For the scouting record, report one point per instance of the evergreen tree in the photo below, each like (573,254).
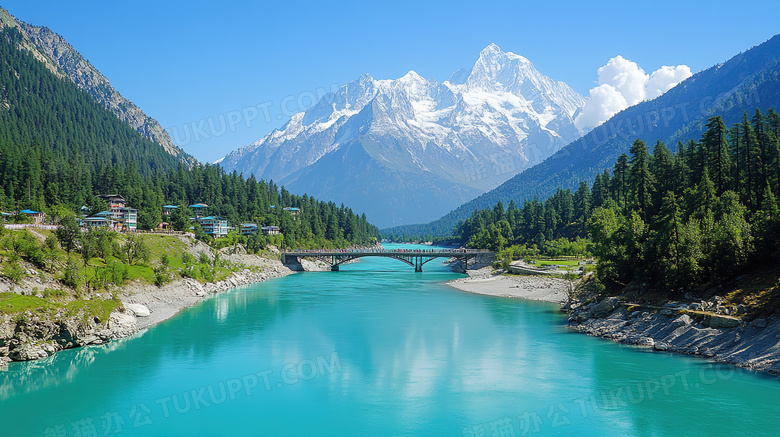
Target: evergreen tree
(642,181)
(716,143)
(582,205)
(620,179)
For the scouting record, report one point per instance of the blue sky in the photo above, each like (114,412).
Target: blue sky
(252,64)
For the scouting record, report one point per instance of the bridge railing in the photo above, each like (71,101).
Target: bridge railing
(381,251)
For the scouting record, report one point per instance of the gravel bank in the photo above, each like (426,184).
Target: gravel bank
(538,288)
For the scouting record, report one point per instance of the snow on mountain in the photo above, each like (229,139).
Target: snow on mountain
(456,139)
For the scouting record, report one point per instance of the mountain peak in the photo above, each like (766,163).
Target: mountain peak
(494,53)
(491,50)
(507,71)
(389,135)
(411,75)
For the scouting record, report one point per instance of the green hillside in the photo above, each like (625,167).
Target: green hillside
(59,147)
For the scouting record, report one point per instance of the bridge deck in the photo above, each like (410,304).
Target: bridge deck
(413,257)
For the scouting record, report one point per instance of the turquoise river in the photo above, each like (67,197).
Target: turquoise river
(377,350)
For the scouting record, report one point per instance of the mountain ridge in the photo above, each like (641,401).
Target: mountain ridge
(64,60)
(464,138)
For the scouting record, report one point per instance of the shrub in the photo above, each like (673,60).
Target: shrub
(506,262)
(54,293)
(161,276)
(14,271)
(206,273)
(119,273)
(187,258)
(50,242)
(71,276)
(191,272)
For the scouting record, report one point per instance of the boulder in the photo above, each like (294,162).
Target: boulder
(605,307)
(49,348)
(759,323)
(660,346)
(138,309)
(717,321)
(27,352)
(120,325)
(90,339)
(646,341)
(458,266)
(683,320)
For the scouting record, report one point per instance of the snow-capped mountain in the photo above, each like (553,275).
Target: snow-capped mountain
(409,149)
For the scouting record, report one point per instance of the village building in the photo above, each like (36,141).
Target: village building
(199,209)
(167,210)
(215,226)
(120,211)
(248,228)
(38,217)
(271,230)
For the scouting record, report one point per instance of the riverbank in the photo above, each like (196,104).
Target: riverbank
(488,282)
(49,325)
(151,305)
(695,329)
(701,328)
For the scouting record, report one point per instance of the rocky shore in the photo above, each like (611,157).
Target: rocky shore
(702,328)
(695,328)
(32,336)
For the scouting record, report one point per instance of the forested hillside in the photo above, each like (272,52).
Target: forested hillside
(747,80)
(59,147)
(673,221)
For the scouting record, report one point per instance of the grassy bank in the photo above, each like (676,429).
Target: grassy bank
(39,275)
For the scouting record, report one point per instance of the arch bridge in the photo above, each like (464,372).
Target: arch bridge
(413,257)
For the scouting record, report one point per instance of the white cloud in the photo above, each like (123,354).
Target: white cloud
(603,102)
(626,77)
(664,79)
(622,83)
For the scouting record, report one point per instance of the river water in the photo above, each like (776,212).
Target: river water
(377,349)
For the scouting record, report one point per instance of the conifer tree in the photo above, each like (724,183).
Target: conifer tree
(716,143)
(642,180)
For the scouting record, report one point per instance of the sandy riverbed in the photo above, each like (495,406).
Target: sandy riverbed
(538,288)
